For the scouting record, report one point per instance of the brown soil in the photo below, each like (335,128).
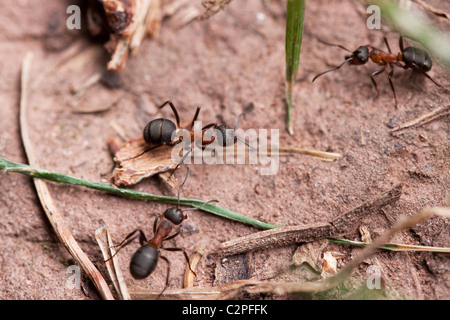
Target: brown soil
(223,65)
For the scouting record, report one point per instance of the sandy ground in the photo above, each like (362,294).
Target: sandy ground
(223,64)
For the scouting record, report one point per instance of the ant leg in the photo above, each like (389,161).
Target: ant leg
(400,43)
(172,236)
(128,239)
(373,79)
(155,224)
(167,277)
(195,118)
(391,73)
(387,44)
(416,68)
(145,151)
(211,125)
(177,117)
(208,126)
(185,256)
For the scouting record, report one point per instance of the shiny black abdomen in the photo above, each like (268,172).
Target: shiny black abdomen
(418,57)
(143,262)
(159,131)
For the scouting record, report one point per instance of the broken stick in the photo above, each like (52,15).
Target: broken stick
(339,226)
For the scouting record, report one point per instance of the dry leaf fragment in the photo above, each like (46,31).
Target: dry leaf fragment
(310,253)
(329,265)
(134,163)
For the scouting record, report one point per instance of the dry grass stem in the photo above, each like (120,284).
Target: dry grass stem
(194,260)
(433,10)
(52,212)
(112,265)
(426,118)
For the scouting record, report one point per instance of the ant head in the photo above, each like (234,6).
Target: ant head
(174,215)
(228,136)
(359,56)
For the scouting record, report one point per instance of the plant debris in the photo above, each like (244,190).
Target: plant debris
(343,224)
(134,163)
(126,22)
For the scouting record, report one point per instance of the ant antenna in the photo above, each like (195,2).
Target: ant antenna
(238,120)
(181,187)
(179,164)
(237,124)
(333,45)
(174,110)
(346,60)
(198,208)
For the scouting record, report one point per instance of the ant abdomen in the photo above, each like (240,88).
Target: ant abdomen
(159,131)
(416,56)
(143,262)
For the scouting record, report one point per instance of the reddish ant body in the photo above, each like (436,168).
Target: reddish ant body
(410,57)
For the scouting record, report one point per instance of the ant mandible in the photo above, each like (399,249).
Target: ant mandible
(410,57)
(145,259)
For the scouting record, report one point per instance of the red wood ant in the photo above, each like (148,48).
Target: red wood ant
(162,131)
(145,259)
(410,57)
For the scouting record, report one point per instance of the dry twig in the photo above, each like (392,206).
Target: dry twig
(339,226)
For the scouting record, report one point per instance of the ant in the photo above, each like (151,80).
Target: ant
(410,57)
(161,131)
(145,259)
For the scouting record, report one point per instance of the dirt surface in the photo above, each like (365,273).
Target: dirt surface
(222,64)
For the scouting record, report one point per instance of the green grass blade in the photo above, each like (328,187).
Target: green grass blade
(392,246)
(9,166)
(294,34)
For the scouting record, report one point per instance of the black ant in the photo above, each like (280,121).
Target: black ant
(162,131)
(410,57)
(145,259)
